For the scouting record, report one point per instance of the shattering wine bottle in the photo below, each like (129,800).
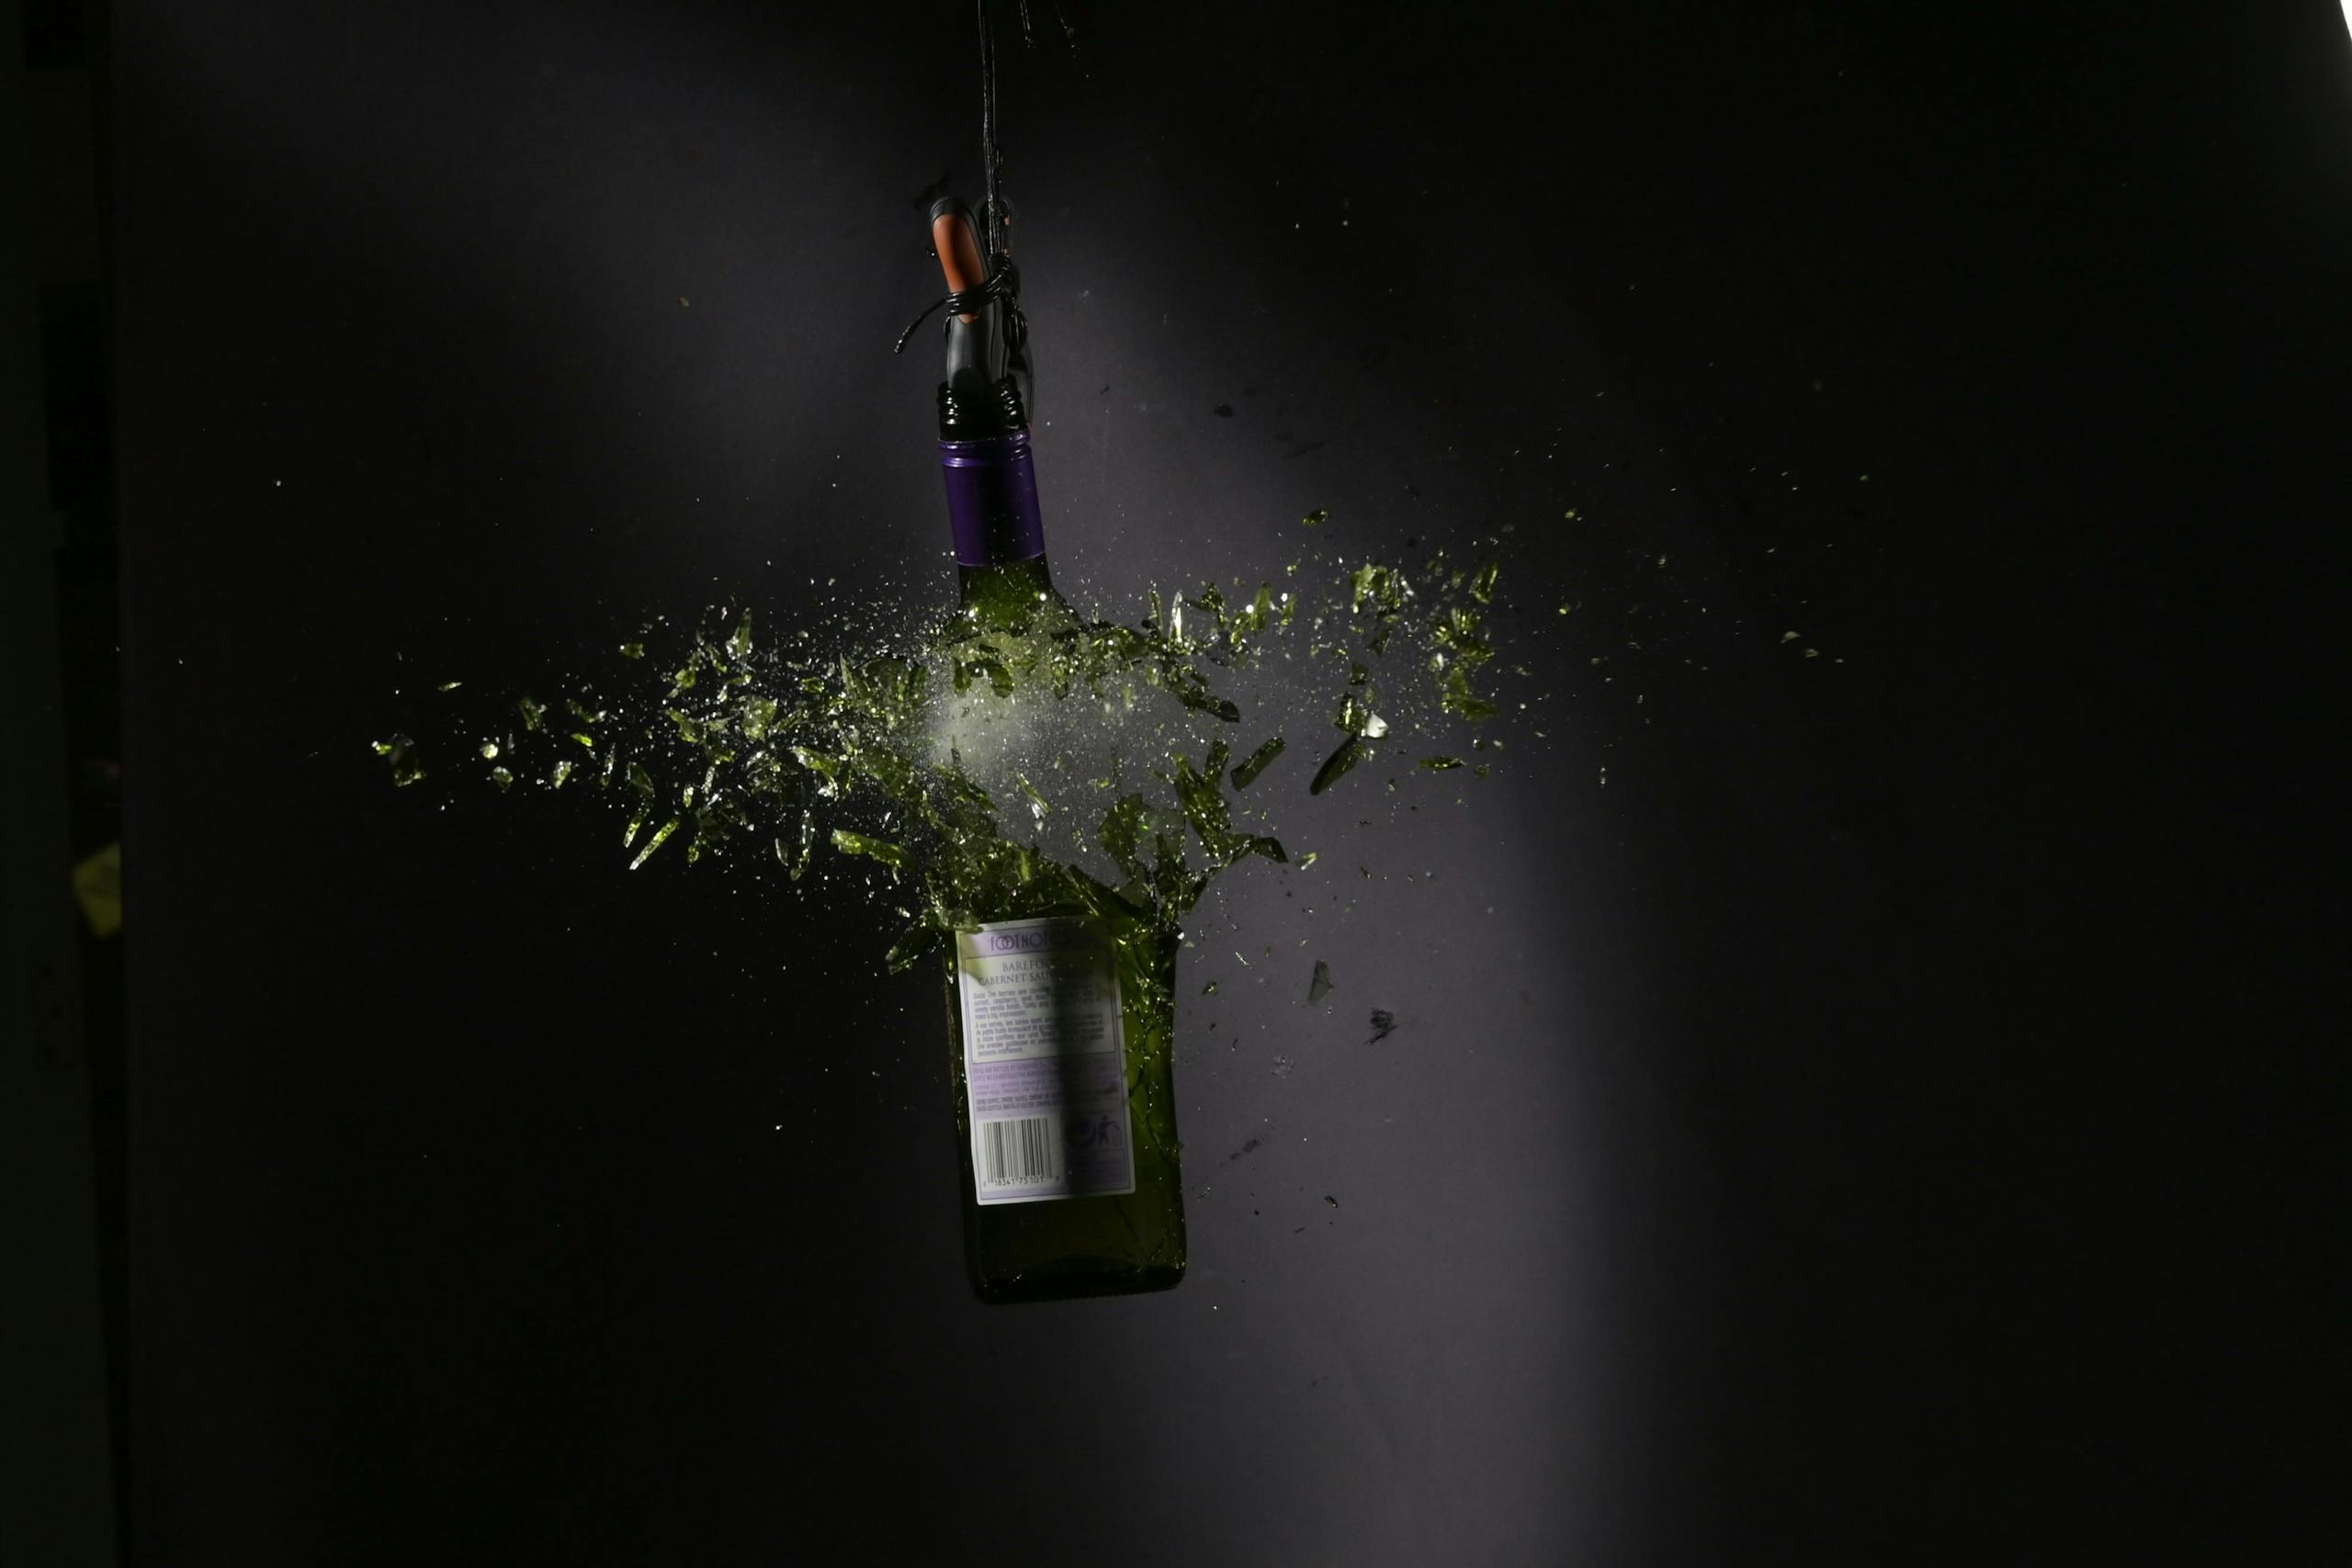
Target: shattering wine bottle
(1061,1004)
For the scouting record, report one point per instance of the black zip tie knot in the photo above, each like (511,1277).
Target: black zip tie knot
(1003,284)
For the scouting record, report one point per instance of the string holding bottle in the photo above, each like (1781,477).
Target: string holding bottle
(1002,285)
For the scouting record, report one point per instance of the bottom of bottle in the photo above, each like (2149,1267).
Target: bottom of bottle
(1075,1278)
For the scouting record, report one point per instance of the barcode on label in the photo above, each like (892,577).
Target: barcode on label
(1016,1154)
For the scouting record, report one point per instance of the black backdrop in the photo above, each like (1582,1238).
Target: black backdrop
(1832,1139)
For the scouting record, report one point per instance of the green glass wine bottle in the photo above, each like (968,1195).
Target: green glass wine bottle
(1061,1003)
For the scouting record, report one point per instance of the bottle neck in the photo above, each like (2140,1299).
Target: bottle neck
(991,481)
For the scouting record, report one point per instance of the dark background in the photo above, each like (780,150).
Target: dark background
(1890,1121)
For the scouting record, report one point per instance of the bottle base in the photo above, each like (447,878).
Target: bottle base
(1078,1278)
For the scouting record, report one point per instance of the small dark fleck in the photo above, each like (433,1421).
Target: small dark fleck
(1225,411)
(1384,1024)
(1328,1198)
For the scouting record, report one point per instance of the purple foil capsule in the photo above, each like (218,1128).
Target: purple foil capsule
(992,500)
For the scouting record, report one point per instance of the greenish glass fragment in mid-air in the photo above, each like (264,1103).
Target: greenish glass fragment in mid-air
(1257,761)
(872,848)
(1354,715)
(660,836)
(400,752)
(1320,986)
(794,856)
(1351,751)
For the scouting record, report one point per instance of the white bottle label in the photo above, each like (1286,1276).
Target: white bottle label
(1044,1062)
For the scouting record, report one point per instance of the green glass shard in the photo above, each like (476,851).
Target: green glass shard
(1203,804)
(1351,751)
(1320,986)
(660,836)
(888,854)
(1121,831)
(1441,764)
(793,857)
(1354,715)
(1037,806)
(1456,696)
(918,940)
(632,650)
(501,778)
(827,769)
(532,711)
(1256,762)
(400,752)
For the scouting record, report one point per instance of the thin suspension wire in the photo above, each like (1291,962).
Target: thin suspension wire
(993,212)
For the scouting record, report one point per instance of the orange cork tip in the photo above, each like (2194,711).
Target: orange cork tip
(959,253)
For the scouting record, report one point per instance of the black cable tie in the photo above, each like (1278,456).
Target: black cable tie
(1004,285)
